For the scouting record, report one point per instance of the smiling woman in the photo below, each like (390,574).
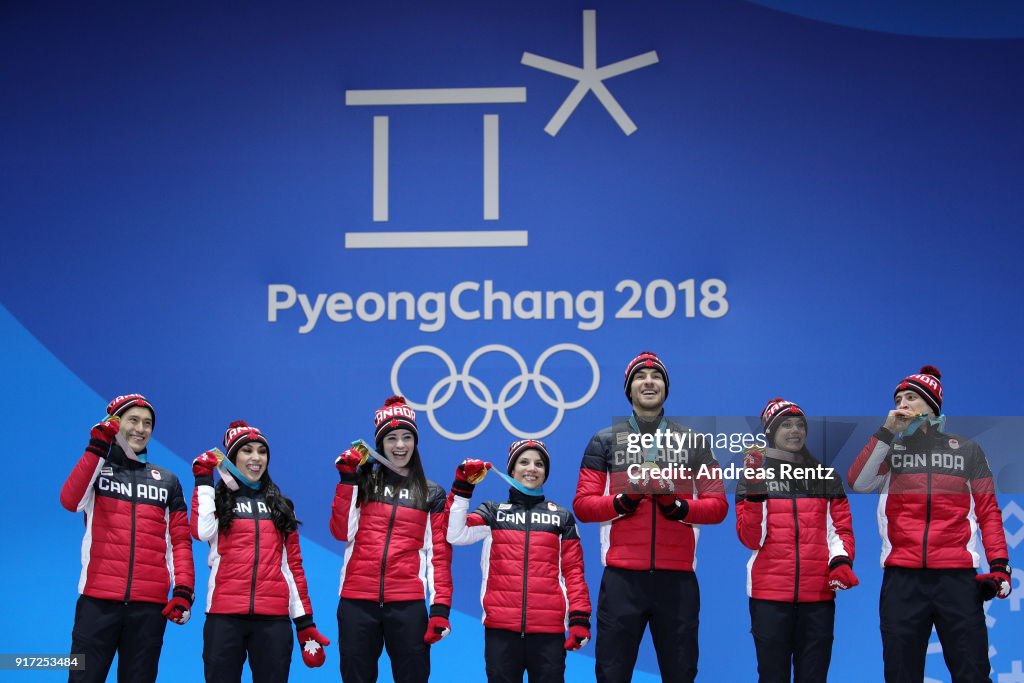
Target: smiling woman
(393,521)
(256,576)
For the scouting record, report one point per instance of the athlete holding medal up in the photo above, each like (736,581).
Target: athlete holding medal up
(534,584)
(256,577)
(393,521)
(801,534)
(136,542)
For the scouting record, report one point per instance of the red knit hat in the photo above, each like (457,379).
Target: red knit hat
(646,359)
(240,433)
(925,384)
(777,410)
(395,414)
(518,447)
(122,404)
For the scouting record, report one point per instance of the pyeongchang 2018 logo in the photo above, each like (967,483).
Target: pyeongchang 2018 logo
(431,308)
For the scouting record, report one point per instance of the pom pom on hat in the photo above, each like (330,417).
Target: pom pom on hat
(777,410)
(925,384)
(240,433)
(394,414)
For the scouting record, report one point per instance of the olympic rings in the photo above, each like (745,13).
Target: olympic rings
(479,395)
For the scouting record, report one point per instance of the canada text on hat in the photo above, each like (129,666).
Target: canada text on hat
(925,384)
(240,433)
(777,410)
(121,404)
(395,414)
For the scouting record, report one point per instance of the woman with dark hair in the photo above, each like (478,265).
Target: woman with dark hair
(256,576)
(534,586)
(392,518)
(801,532)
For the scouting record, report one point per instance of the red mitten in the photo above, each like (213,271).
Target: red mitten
(312,643)
(753,460)
(204,465)
(841,577)
(472,471)
(349,461)
(102,435)
(179,607)
(995,584)
(578,637)
(437,628)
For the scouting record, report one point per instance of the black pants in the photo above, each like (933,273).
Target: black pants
(793,640)
(630,600)
(227,638)
(364,628)
(134,630)
(912,601)
(508,654)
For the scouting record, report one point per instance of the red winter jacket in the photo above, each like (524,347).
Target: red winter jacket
(254,568)
(936,492)
(646,539)
(800,530)
(532,562)
(136,543)
(396,549)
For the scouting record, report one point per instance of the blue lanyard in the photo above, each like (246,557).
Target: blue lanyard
(652,452)
(242,479)
(539,491)
(939,422)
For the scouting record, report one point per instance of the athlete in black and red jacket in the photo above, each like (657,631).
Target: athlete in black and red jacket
(256,577)
(136,547)
(936,493)
(534,586)
(649,529)
(396,553)
(801,534)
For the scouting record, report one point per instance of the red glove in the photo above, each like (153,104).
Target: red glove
(179,607)
(204,465)
(995,584)
(578,637)
(349,461)
(841,577)
(102,435)
(437,628)
(472,471)
(753,459)
(312,643)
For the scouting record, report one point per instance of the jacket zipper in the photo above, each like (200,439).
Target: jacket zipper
(255,564)
(654,530)
(387,544)
(796,551)
(927,523)
(526,573)
(131,545)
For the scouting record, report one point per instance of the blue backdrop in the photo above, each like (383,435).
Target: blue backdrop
(216,206)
